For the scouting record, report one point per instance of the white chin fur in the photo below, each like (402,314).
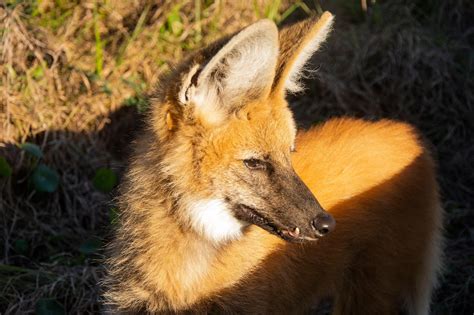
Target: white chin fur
(214,220)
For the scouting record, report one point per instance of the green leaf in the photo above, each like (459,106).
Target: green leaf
(45,179)
(174,22)
(49,307)
(104,179)
(21,246)
(38,72)
(32,149)
(5,168)
(99,44)
(90,246)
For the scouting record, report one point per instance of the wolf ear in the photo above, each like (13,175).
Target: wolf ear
(241,71)
(298,43)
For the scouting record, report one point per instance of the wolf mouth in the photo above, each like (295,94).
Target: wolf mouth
(252,215)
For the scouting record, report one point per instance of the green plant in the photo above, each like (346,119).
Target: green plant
(273,10)
(42,177)
(45,179)
(104,179)
(5,168)
(99,45)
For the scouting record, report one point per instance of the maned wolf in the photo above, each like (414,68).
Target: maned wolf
(218,216)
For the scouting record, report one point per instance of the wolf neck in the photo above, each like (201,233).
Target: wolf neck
(186,267)
(175,260)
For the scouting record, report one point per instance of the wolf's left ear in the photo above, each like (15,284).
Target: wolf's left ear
(298,43)
(241,71)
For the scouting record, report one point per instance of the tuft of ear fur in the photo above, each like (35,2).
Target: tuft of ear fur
(241,71)
(298,43)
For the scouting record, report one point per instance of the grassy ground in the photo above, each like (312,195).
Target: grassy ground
(74,75)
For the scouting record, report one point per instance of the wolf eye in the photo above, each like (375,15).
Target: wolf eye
(255,164)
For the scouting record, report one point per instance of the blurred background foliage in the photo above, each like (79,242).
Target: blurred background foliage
(74,82)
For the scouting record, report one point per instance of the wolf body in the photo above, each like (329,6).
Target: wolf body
(218,207)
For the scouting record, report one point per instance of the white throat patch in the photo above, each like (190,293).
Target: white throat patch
(214,220)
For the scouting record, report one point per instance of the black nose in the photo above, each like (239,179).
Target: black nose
(323,224)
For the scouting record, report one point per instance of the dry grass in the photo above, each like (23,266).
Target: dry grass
(73,76)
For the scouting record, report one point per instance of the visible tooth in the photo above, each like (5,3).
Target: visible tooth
(297,231)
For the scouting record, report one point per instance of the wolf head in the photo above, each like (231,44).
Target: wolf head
(226,134)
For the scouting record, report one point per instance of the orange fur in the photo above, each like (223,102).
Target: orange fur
(376,178)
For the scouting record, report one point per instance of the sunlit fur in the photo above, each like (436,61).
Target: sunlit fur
(379,183)
(178,248)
